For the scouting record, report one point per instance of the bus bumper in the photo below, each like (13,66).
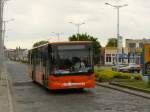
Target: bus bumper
(70,85)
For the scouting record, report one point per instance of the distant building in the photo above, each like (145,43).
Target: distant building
(135,49)
(16,54)
(10,53)
(110,56)
(22,54)
(102,55)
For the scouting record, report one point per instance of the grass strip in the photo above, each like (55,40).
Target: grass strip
(137,85)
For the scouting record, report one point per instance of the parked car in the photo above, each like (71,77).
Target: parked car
(117,67)
(131,68)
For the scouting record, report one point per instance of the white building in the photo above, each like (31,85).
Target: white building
(110,55)
(16,54)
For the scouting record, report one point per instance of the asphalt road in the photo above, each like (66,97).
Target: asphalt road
(30,97)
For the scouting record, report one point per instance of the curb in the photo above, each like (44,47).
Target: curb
(9,92)
(125,90)
(11,107)
(129,87)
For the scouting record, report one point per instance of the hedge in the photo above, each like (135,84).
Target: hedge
(107,75)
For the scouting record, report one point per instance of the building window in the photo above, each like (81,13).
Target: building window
(113,55)
(108,57)
(120,59)
(140,45)
(132,45)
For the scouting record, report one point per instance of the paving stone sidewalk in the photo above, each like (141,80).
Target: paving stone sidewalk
(129,91)
(5,105)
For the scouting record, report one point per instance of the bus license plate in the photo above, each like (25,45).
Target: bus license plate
(74,84)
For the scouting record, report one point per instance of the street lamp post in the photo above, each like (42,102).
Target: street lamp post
(58,35)
(2,3)
(1,27)
(78,26)
(3,34)
(119,38)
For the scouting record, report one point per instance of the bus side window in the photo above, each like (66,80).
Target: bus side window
(31,57)
(44,56)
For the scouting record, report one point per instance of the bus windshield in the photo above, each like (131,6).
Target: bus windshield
(72,59)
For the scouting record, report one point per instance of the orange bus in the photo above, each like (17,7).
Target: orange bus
(63,65)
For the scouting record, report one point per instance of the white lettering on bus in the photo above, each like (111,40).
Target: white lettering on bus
(74,84)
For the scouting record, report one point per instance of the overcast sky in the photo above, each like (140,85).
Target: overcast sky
(36,20)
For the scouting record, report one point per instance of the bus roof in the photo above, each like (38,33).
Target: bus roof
(72,42)
(67,42)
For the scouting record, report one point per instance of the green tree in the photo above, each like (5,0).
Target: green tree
(86,37)
(39,43)
(112,42)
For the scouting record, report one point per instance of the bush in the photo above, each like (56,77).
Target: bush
(104,75)
(97,75)
(117,74)
(126,76)
(121,75)
(137,77)
(24,61)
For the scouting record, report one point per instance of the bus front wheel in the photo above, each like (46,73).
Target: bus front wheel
(33,79)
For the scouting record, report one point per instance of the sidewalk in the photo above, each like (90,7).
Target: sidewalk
(129,91)
(5,97)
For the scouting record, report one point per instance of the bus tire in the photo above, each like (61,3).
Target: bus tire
(81,89)
(33,77)
(43,80)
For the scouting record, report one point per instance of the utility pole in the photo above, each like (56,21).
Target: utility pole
(3,37)
(1,30)
(2,2)
(4,32)
(119,38)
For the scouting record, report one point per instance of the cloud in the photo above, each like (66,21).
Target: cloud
(35,20)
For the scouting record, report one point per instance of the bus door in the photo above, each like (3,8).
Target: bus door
(46,72)
(33,66)
(45,66)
